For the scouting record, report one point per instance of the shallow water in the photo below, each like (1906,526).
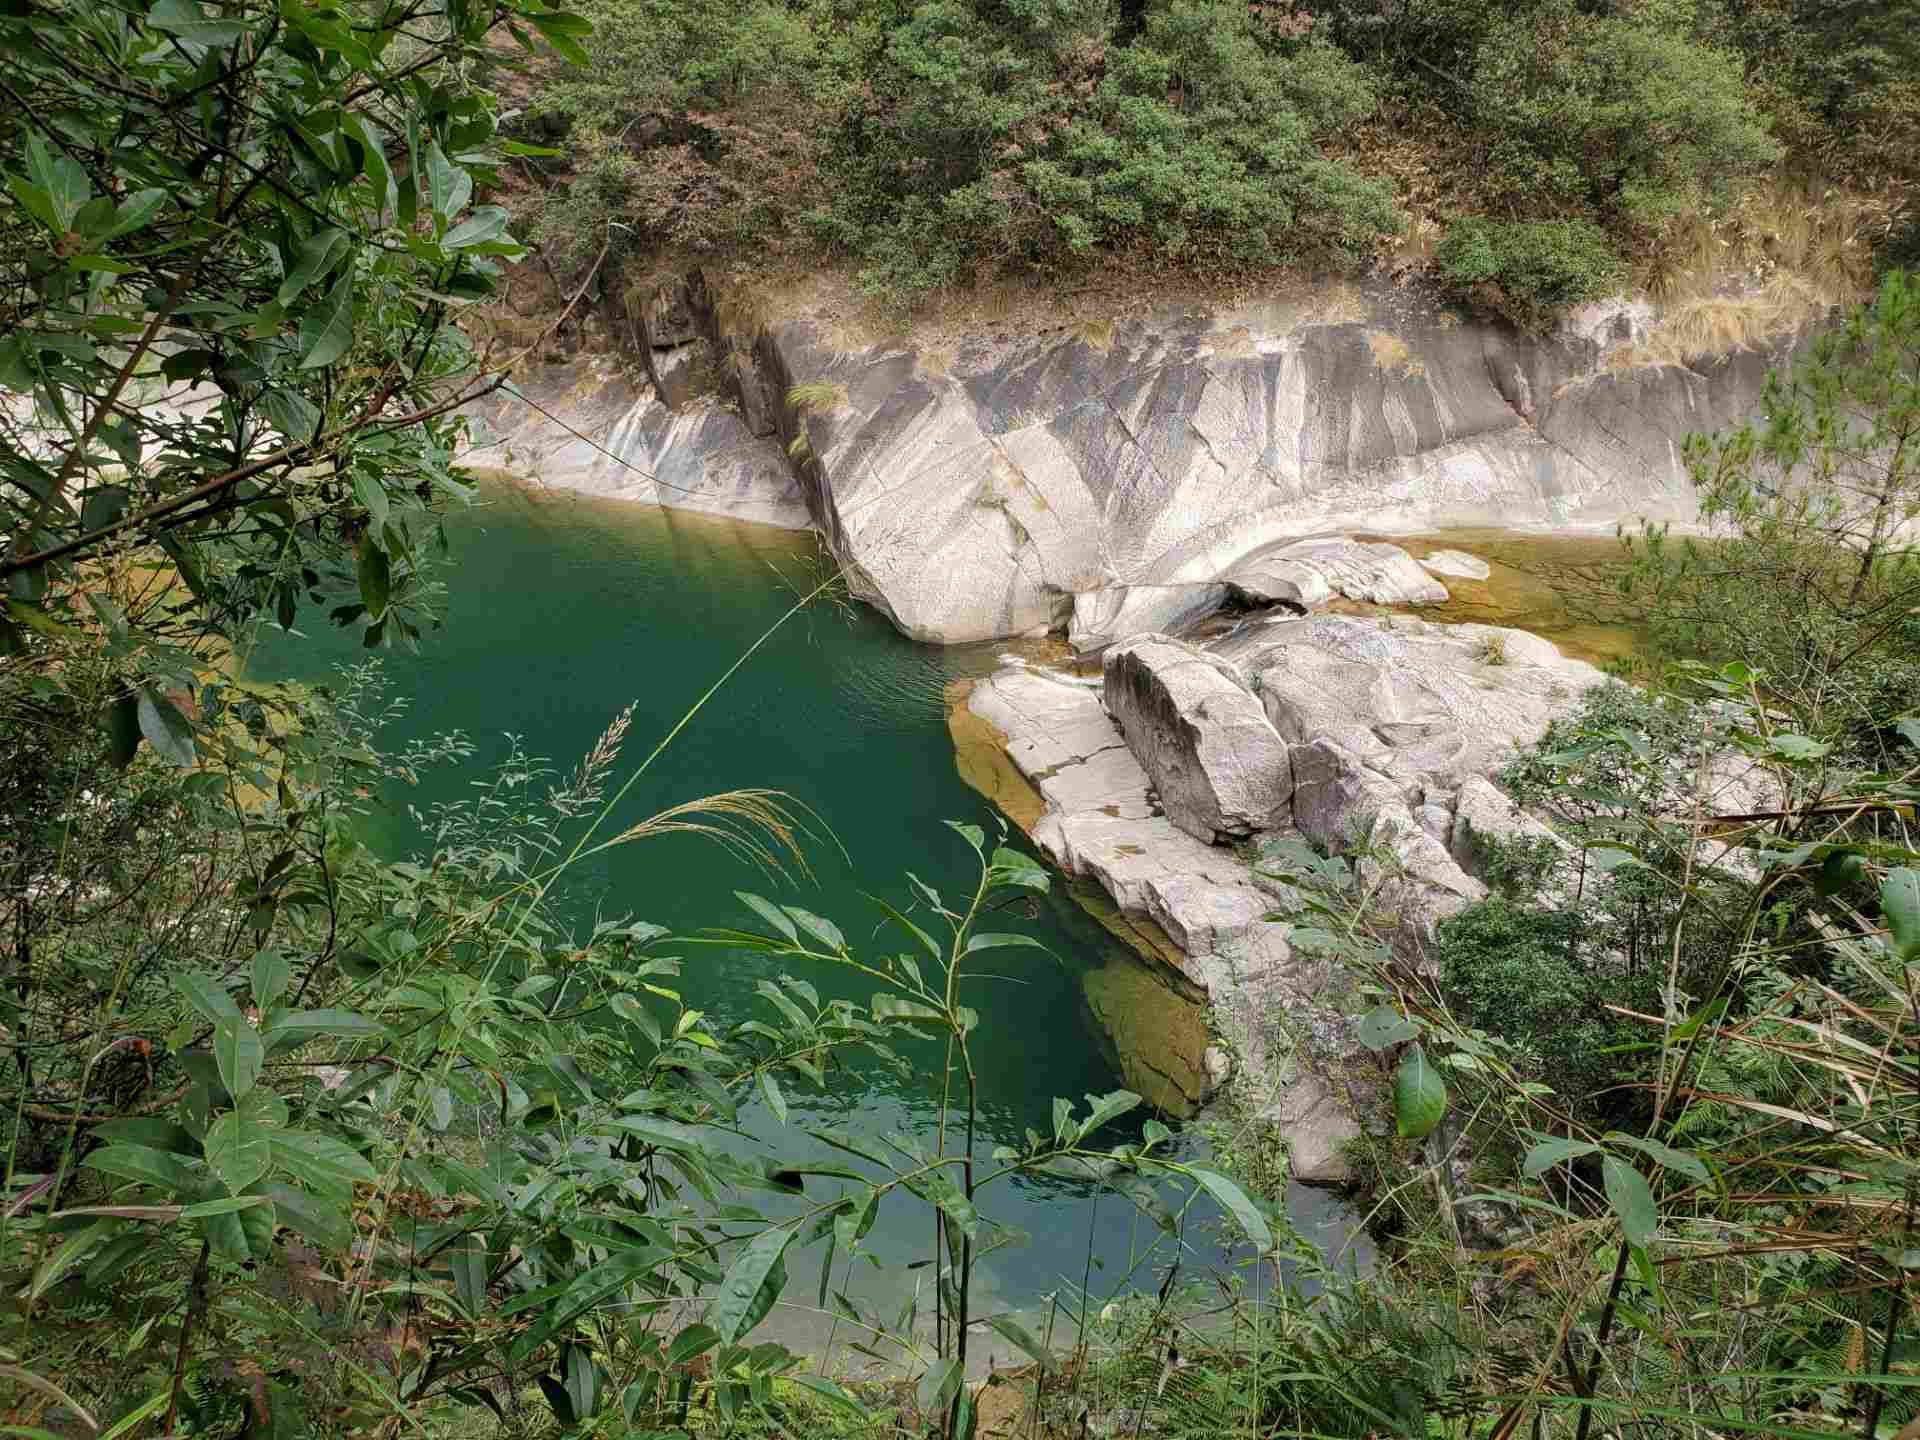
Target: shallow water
(563,610)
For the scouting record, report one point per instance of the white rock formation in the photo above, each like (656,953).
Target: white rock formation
(1382,735)
(1217,763)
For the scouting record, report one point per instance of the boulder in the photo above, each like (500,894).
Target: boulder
(1426,703)
(1179,450)
(1314,1122)
(674,312)
(676,372)
(702,457)
(1100,617)
(1483,817)
(1217,763)
(1343,806)
(1308,573)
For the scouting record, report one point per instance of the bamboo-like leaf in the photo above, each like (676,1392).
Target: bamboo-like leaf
(752,1284)
(1900,901)
(1234,1201)
(1631,1201)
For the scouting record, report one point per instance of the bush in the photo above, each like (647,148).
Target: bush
(1634,118)
(1515,971)
(1529,271)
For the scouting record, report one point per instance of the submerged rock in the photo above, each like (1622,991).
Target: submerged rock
(1457,563)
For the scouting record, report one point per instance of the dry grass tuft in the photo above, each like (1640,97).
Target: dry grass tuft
(762,827)
(1822,239)
(1096,334)
(936,358)
(817,397)
(1722,324)
(1390,352)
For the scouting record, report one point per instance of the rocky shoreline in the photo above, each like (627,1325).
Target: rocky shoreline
(1156,778)
(1125,488)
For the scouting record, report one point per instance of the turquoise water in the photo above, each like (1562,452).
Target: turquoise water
(563,610)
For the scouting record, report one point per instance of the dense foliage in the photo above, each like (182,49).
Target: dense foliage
(943,144)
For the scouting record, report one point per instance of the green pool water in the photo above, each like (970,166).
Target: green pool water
(563,610)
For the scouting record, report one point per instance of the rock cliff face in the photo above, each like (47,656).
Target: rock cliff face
(1365,736)
(993,498)
(1126,479)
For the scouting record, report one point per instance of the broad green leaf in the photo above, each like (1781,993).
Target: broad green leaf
(291,413)
(60,177)
(696,1339)
(1797,747)
(1631,1200)
(376,577)
(1024,1338)
(825,931)
(769,912)
(1010,867)
(330,1022)
(562,31)
(239,1143)
(1384,1027)
(206,995)
(240,1235)
(776,1102)
(1419,1095)
(1107,1107)
(133,212)
(629,1009)
(123,730)
(152,1167)
(1549,1153)
(270,978)
(1234,1201)
(938,1386)
(327,330)
(318,254)
(186,19)
(1684,1161)
(890,1008)
(320,1162)
(488,222)
(990,941)
(239,1053)
(448,186)
(167,730)
(326,1223)
(850,1225)
(752,1284)
(1900,901)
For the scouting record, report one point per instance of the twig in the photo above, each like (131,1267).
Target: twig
(196,1304)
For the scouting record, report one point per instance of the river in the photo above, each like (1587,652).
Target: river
(561,611)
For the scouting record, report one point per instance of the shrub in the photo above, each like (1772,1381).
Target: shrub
(1529,271)
(1632,117)
(1517,972)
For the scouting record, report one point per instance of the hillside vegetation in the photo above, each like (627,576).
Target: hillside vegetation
(1536,153)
